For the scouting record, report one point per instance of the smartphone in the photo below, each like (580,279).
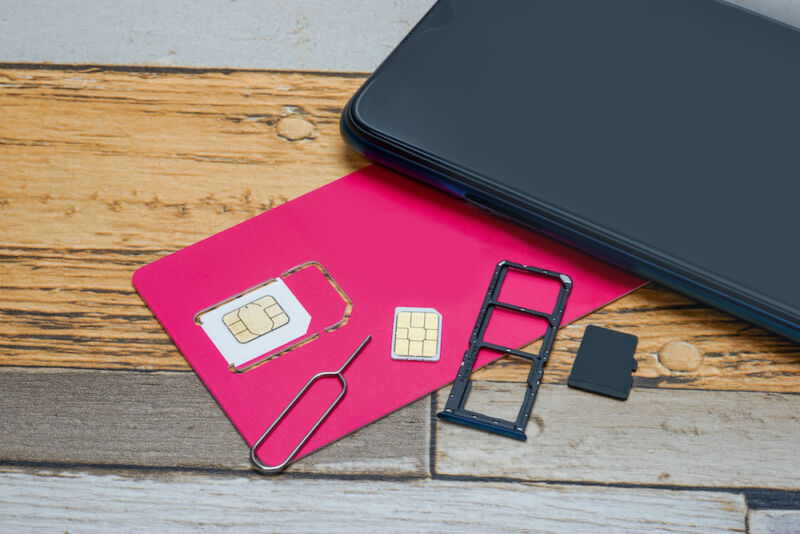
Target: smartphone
(660,135)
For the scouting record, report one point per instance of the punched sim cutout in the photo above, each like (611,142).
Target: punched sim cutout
(277,316)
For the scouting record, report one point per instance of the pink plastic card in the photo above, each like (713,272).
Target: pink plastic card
(262,307)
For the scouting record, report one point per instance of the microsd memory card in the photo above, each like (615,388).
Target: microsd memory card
(604,362)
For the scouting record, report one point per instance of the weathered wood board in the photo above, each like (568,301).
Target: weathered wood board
(170,420)
(659,437)
(345,36)
(774,521)
(70,501)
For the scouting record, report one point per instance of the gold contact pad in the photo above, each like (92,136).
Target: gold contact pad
(417,334)
(255,319)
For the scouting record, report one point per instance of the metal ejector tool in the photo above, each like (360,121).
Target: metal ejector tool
(275,469)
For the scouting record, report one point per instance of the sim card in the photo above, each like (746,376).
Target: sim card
(417,334)
(256,322)
(273,318)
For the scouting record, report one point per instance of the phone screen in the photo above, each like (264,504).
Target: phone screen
(671,125)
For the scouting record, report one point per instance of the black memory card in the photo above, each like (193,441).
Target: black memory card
(604,362)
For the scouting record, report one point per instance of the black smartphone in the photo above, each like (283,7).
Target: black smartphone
(660,135)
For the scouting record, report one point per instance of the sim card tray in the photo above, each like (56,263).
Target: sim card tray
(454,409)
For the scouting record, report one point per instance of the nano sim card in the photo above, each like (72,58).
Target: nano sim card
(256,322)
(417,334)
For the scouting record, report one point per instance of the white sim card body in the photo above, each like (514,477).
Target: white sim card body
(255,323)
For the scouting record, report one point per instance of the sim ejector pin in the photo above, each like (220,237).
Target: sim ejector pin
(274,469)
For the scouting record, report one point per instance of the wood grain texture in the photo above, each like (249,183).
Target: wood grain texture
(104,171)
(170,420)
(87,503)
(774,521)
(661,437)
(111,159)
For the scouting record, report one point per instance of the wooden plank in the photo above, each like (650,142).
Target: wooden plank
(76,307)
(664,437)
(774,521)
(355,35)
(105,171)
(88,502)
(155,160)
(170,420)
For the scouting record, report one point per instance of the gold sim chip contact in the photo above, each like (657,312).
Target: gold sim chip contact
(417,334)
(255,319)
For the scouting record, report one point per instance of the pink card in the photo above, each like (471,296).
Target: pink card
(368,243)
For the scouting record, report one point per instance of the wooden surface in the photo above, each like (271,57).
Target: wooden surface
(104,170)
(170,420)
(349,35)
(769,521)
(309,505)
(673,437)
